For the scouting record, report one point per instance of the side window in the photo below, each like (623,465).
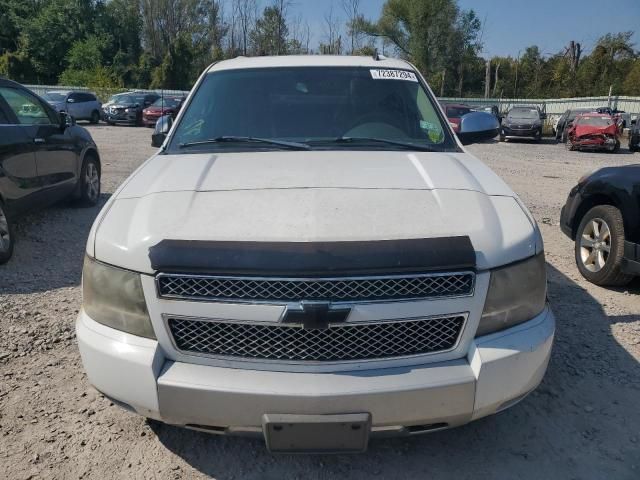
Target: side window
(429,122)
(86,97)
(26,107)
(76,97)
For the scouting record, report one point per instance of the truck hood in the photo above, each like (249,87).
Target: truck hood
(585,130)
(312,196)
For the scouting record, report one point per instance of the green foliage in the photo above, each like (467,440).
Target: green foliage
(270,34)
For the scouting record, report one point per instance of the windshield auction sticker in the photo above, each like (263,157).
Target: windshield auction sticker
(386,74)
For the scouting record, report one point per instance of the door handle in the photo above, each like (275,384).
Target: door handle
(38,140)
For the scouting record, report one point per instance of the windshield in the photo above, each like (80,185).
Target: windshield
(314,106)
(167,102)
(595,121)
(127,99)
(54,97)
(524,113)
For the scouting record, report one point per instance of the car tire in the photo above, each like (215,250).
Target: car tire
(89,182)
(501,138)
(95,117)
(7,238)
(569,145)
(615,148)
(110,123)
(538,137)
(601,228)
(563,137)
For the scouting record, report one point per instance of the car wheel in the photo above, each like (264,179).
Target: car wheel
(501,138)
(616,147)
(538,136)
(95,117)
(6,236)
(110,123)
(89,182)
(563,137)
(569,145)
(599,246)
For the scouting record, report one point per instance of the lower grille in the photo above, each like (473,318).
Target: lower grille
(339,342)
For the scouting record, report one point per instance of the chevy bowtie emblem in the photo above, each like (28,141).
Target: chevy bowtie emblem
(315,315)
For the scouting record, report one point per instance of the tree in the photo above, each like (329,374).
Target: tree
(270,34)
(352,11)
(332,34)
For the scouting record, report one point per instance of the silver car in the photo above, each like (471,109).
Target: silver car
(80,105)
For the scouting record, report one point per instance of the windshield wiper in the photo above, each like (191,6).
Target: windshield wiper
(232,139)
(397,143)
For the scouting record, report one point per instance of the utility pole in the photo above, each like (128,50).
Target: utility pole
(515,84)
(444,73)
(487,79)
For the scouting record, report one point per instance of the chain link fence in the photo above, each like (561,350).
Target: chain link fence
(103,94)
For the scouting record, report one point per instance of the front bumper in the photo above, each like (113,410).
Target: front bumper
(530,132)
(595,142)
(498,371)
(122,118)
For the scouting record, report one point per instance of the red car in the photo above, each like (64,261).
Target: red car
(454,113)
(167,105)
(594,131)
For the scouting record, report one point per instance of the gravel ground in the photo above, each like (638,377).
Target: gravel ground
(583,422)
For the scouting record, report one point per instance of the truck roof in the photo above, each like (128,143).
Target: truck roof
(309,61)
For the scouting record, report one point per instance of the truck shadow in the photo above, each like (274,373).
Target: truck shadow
(49,248)
(582,422)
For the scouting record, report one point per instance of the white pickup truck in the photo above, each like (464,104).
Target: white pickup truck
(313,257)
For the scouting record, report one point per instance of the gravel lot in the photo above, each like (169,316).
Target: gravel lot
(583,422)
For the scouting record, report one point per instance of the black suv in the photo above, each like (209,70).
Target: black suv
(602,216)
(126,108)
(44,157)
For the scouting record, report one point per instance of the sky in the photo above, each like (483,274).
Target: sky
(512,25)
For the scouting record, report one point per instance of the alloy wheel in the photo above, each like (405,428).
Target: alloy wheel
(92,181)
(595,245)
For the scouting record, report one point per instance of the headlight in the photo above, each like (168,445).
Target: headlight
(113,297)
(517,293)
(127,110)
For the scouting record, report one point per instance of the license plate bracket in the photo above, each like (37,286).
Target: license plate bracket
(345,433)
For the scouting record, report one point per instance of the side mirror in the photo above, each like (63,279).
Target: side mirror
(163,125)
(66,121)
(543,116)
(70,100)
(478,126)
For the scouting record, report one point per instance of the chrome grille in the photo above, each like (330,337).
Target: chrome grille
(339,342)
(345,289)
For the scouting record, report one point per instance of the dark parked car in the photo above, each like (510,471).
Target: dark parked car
(522,122)
(634,137)
(80,105)
(602,216)
(167,105)
(44,157)
(569,116)
(126,108)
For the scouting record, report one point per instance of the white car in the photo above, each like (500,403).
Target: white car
(313,257)
(80,105)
